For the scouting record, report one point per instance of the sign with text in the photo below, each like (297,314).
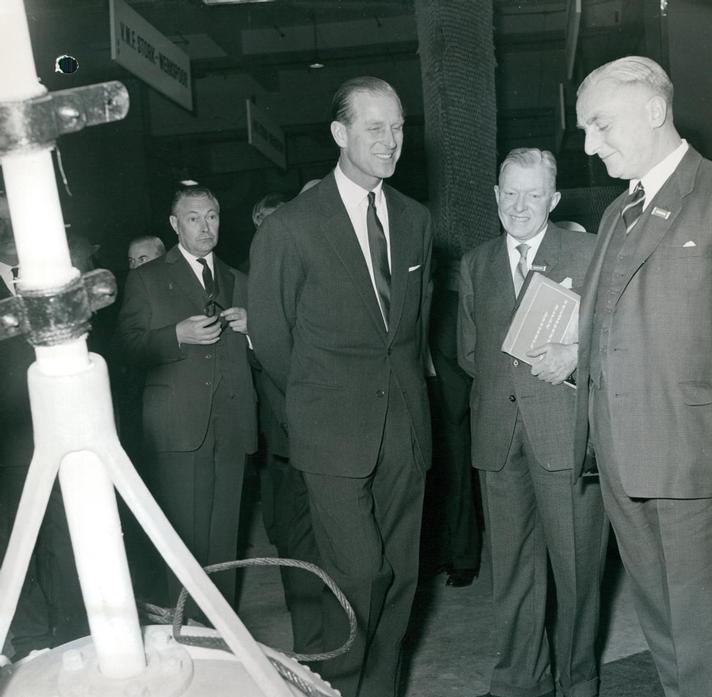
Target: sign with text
(140,48)
(265,135)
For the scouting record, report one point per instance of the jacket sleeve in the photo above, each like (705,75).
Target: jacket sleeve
(139,343)
(274,284)
(466,328)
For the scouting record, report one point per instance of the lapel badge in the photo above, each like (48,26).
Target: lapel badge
(661,213)
(541,268)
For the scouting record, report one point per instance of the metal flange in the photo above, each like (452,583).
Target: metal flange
(36,123)
(56,315)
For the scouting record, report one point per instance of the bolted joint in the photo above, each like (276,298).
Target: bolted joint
(52,316)
(34,124)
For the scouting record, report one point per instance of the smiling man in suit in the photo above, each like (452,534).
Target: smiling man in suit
(338,302)
(522,443)
(183,320)
(645,366)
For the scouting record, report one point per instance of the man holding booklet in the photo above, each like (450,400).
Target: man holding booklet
(522,440)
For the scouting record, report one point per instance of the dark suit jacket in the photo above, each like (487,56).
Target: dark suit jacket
(660,347)
(180,380)
(317,329)
(501,384)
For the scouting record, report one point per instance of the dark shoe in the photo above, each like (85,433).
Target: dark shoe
(461,577)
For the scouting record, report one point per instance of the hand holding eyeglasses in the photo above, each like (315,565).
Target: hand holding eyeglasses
(198,329)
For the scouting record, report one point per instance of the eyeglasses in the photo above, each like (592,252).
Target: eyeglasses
(212,308)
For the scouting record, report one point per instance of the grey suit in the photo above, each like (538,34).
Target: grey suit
(645,379)
(522,435)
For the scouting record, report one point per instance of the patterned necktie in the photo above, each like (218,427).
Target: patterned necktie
(208,281)
(15,272)
(633,207)
(379,256)
(521,270)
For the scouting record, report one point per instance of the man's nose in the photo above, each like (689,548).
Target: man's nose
(592,142)
(389,140)
(520,202)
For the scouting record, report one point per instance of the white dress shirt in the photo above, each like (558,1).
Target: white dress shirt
(196,265)
(355,200)
(653,181)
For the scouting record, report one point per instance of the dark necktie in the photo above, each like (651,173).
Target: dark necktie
(15,272)
(379,256)
(208,281)
(520,272)
(633,207)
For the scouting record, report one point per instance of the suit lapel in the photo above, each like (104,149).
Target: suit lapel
(226,283)
(340,235)
(499,275)
(549,253)
(593,275)
(184,278)
(651,229)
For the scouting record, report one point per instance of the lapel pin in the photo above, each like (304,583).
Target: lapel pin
(541,268)
(661,213)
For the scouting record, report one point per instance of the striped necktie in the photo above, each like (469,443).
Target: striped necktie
(379,256)
(521,270)
(633,207)
(208,281)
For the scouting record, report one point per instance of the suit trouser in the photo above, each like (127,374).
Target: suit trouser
(200,491)
(294,538)
(532,513)
(368,531)
(452,476)
(666,548)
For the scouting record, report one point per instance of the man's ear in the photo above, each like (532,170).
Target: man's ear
(174,223)
(555,200)
(496,193)
(657,109)
(338,132)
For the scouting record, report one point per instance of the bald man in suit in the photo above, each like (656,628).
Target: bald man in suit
(645,364)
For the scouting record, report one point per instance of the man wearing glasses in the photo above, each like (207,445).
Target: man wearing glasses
(183,320)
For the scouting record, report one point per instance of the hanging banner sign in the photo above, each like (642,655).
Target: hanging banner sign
(265,135)
(140,48)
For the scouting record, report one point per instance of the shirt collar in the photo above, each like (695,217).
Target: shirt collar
(192,259)
(653,181)
(351,193)
(533,242)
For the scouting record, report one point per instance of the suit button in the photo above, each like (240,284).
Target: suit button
(208,355)
(515,362)
(512,398)
(380,393)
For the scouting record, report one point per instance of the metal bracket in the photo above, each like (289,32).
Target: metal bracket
(56,315)
(36,123)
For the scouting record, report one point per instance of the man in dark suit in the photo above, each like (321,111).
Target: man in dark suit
(338,302)
(522,439)
(183,320)
(645,365)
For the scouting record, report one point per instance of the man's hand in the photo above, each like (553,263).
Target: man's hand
(236,317)
(198,329)
(554,362)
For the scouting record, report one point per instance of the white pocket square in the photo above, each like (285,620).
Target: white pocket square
(689,243)
(413,268)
